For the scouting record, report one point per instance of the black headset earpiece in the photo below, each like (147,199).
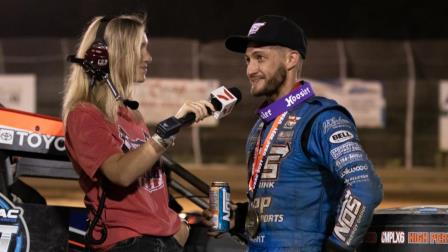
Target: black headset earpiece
(96,63)
(97,54)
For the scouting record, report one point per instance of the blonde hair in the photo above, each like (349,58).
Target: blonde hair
(123,35)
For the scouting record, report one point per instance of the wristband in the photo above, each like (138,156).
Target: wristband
(186,223)
(161,144)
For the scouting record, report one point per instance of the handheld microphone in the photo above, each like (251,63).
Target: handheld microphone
(222,99)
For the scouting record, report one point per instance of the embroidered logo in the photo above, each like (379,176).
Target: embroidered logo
(255,27)
(341,136)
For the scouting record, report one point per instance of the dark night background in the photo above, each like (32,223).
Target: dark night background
(208,20)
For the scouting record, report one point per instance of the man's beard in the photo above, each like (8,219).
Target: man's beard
(274,83)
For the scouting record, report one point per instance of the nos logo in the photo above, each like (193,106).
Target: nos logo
(13,228)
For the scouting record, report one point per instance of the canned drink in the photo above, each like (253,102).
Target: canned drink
(220,205)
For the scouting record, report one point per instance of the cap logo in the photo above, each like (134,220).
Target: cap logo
(255,27)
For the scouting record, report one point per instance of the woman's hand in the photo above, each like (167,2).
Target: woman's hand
(199,108)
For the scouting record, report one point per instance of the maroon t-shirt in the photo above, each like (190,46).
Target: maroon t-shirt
(141,208)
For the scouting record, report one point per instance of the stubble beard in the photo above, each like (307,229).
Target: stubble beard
(273,84)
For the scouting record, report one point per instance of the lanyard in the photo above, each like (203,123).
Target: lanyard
(260,154)
(278,110)
(286,103)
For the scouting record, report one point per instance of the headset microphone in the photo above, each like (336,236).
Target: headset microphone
(131,104)
(98,74)
(96,64)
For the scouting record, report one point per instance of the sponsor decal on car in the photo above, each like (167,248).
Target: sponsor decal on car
(32,140)
(13,228)
(6,136)
(418,237)
(393,237)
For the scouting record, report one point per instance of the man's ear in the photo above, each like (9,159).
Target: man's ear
(292,59)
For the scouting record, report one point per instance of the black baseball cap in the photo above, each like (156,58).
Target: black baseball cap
(271,30)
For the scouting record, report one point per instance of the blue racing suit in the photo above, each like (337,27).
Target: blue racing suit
(313,191)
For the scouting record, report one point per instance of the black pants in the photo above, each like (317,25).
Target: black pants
(148,244)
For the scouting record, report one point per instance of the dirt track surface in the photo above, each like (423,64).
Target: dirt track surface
(402,187)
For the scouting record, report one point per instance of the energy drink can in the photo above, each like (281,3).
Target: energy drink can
(220,205)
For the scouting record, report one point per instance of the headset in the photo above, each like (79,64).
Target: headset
(97,53)
(96,63)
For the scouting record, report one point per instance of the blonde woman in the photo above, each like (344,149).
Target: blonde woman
(110,145)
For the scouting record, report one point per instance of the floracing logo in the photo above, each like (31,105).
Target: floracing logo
(14,234)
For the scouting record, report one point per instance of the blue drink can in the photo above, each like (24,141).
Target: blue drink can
(220,205)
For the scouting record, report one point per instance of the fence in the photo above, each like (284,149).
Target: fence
(328,60)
